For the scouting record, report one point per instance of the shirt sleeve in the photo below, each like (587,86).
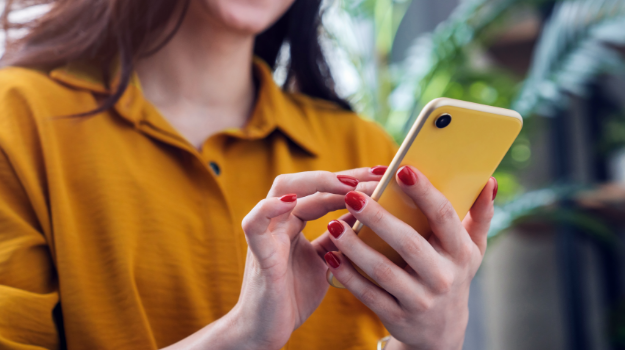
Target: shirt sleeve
(28,281)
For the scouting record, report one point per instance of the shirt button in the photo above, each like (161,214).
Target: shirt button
(215,168)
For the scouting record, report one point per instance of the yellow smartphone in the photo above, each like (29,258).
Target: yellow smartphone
(457,145)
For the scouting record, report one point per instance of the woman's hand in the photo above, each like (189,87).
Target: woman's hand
(425,305)
(284,273)
(284,278)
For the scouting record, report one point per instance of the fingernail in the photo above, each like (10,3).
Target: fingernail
(378,170)
(496,187)
(407,176)
(332,260)
(335,228)
(355,200)
(288,198)
(348,180)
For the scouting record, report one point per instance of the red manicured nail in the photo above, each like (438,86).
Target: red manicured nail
(496,188)
(332,260)
(407,176)
(355,200)
(335,228)
(348,180)
(378,170)
(288,198)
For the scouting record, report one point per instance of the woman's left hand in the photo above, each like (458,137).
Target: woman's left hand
(425,305)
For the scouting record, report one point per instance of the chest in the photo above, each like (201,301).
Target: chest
(143,205)
(198,124)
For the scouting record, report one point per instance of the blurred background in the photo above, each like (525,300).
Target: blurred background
(554,273)
(553,276)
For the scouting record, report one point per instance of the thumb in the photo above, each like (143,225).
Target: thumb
(256,223)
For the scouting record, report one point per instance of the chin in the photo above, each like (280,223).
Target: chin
(248,16)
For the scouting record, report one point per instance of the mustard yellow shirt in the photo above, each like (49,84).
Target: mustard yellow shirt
(134,234)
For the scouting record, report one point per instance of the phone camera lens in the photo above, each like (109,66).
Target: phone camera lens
(443,121)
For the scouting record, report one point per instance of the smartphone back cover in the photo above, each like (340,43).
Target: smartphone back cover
(458,160)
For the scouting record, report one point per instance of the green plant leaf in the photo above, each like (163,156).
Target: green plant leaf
(575,47)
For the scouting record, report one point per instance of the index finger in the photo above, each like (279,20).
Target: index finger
(366,174)
(310,182)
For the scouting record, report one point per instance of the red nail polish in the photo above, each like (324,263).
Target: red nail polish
(496,187)
(289,198)
(407,176)
(348,180)
(378,170)
(355,200)
(332,260)
(335,228)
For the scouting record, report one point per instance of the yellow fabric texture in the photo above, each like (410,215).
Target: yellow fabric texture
(121,220)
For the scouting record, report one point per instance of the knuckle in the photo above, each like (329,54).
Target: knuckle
(423,303)
(368,297)
(369,186)
(410,246)
(382,273)
(246,224)
(465,252)
(362,187)
(377,217)
(249,221)
(443,283)
(349,243)
(280,181)
(397,316)
(321,176)
(347,280)
(351,172)
(485,216)
(262,206)
(490,212)
(328,201)
(445,212)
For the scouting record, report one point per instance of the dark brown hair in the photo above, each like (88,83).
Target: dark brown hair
(102,31)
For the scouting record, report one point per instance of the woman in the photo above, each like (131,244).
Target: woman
(137,136)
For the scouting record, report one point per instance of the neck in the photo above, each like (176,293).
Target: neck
(202,79)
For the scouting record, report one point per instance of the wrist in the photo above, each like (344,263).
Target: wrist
(229,332)
(233,331)
(236,331)
(394,344)
(223,334)
(243,330)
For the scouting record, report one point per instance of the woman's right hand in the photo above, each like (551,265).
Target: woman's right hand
(284,279)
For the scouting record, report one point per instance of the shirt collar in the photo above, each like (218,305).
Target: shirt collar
(274,108)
